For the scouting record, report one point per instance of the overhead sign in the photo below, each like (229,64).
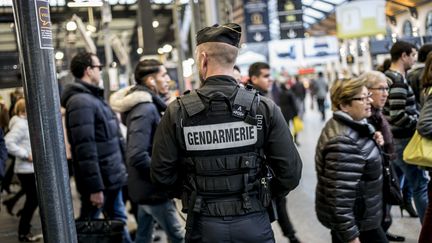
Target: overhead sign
(286,54)
(296,53)
(257,21)
(380,46)
(320,47)
(361,18)
(290,14)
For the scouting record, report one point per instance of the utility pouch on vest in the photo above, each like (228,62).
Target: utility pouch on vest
(222,153)
(264,192)
(190,220)
(272,211)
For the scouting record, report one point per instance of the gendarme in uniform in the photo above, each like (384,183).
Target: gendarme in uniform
(217,148)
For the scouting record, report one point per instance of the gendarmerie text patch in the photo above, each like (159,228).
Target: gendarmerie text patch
(220,136)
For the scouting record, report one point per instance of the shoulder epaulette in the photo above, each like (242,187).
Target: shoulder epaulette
(192,103)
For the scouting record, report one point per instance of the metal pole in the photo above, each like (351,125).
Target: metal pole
(176,20)
(146,33)
(193,39)
(34,36)
(106,11)
(211,12)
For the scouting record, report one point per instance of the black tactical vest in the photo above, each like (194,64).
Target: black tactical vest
(223,159)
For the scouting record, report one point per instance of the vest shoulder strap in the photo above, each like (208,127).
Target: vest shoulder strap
(243,102)
(192,103)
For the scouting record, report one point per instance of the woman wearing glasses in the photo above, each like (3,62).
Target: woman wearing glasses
(349,169)
(376,83)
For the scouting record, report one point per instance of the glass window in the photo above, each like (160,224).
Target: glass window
(337,2)
(309,19)
(307,2)
(322,6)
(407,29)
(313,13)
(6,3)
(428,24)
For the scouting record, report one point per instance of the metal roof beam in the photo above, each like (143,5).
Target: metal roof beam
(324,1)
(398,3)
(319,10)
(317,19)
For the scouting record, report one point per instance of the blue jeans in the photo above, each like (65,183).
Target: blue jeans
(415,176)
(120,214)
(113,207)
(165,215)
(407,191)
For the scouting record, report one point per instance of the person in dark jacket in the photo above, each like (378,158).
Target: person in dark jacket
(414,77)
(320,89)
(349,170)
(259,77)
(424,128)
(300,95)
(288,103)
(96,144)
(142,108)
(210,146)
(376,83)
(289,110)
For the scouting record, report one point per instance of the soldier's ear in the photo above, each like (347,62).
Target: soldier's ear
(204,58)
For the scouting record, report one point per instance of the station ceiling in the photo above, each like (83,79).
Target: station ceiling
(319,19)
(326,24)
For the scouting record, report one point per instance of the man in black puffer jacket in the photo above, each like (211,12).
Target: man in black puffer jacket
(141,110)
(349,170)
(96,144)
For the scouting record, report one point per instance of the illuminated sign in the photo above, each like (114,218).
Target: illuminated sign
(361,18)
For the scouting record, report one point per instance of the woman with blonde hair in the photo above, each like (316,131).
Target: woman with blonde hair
(18,144)
(376,83)
(349,169)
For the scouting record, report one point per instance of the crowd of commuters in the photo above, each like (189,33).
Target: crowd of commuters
(227,151)
(375,115)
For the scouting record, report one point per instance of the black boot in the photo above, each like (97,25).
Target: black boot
(9,204)
(392,237)
(407,205)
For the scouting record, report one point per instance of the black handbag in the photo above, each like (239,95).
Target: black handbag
(391,189)
(100,230)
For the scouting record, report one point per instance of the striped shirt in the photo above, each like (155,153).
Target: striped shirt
(400,108)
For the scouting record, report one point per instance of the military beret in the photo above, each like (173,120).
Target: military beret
(228,33)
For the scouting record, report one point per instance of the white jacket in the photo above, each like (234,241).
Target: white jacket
(18,144)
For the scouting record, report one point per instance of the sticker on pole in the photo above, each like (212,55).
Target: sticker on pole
(44,24)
